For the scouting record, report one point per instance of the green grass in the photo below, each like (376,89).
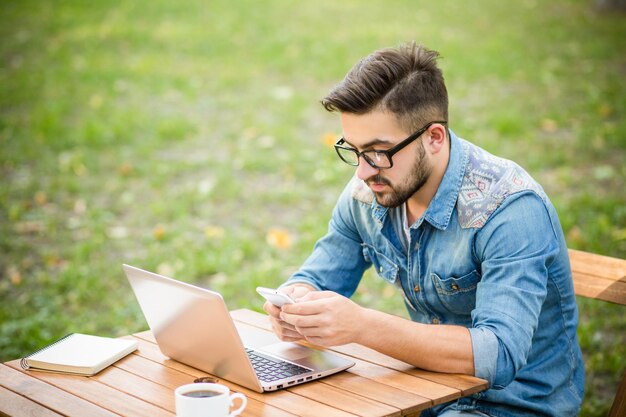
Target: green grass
(176,136)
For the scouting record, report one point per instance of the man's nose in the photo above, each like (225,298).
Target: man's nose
(365,170)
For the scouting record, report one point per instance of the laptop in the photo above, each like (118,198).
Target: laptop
(192,325)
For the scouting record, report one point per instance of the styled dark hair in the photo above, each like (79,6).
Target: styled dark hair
(405,81)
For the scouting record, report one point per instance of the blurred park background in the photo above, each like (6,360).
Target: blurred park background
(187,138)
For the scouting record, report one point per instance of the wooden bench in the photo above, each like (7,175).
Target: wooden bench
(602,278)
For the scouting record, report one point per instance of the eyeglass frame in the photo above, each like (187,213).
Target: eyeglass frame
(388,153)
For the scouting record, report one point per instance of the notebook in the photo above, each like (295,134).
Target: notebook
(192,325)
(79,354)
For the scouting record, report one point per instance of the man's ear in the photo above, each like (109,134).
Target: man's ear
(437,138)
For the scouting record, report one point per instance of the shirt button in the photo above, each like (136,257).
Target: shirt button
(416,288)
(435,320)
(455,287)
(380,269)
(417,245)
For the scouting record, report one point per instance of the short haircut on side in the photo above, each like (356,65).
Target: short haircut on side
(404,81)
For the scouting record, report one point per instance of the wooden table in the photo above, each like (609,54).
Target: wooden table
(143,383)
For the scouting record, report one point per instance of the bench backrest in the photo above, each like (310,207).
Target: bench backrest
(602,278)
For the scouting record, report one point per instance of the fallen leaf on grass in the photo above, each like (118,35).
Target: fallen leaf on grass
(40,198)
(278,238)
(158,232)
(329,139)
(14,275)
(125,169)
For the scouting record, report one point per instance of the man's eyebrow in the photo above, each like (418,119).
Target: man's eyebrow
(369,144)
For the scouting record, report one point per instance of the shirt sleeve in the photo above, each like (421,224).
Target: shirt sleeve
(515,248)
(337,262)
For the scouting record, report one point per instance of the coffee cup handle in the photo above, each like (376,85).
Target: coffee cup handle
(244,402)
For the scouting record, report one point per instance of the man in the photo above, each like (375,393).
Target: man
(470,240)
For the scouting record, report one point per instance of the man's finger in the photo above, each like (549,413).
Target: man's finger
(318,295)
(308,305)
(284,332)
(301,321)
(272,310)
(287,326)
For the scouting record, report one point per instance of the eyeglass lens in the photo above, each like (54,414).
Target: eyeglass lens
(377,159)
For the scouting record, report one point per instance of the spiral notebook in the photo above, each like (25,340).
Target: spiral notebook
(79,354)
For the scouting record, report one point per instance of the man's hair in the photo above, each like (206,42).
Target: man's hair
(405,81)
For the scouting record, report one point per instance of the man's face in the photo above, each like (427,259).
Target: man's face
(412,167)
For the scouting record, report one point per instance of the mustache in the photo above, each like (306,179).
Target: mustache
(377,179)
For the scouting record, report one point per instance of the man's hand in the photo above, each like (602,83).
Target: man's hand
(286,332)
(324,318)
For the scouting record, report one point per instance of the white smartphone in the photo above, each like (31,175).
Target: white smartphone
(274,296)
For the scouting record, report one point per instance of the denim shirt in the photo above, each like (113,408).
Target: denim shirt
(487,254)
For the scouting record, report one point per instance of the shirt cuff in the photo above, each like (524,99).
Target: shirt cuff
(485,346)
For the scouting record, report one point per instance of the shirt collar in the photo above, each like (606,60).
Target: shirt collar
(379,213)
(440,209)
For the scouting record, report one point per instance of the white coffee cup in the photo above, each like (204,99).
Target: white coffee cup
(207,400)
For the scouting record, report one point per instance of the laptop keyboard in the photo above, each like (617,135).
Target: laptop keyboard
(270,369)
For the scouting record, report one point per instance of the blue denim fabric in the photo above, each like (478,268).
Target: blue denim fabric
(488,254)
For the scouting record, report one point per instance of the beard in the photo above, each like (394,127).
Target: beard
(400,193)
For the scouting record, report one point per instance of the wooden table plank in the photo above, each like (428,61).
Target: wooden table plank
(145,335)
(345,400)
(12,404)
(465,383)
(437,393)
(283,399)
(137,386)
(385,394)
(138,364)
(100,394)
(48,395)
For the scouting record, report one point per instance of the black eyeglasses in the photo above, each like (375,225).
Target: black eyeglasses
(377,159)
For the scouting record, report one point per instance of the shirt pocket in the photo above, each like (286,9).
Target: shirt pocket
(457,295)
(384,266)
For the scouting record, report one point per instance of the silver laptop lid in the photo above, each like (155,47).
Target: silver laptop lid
(192,325)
